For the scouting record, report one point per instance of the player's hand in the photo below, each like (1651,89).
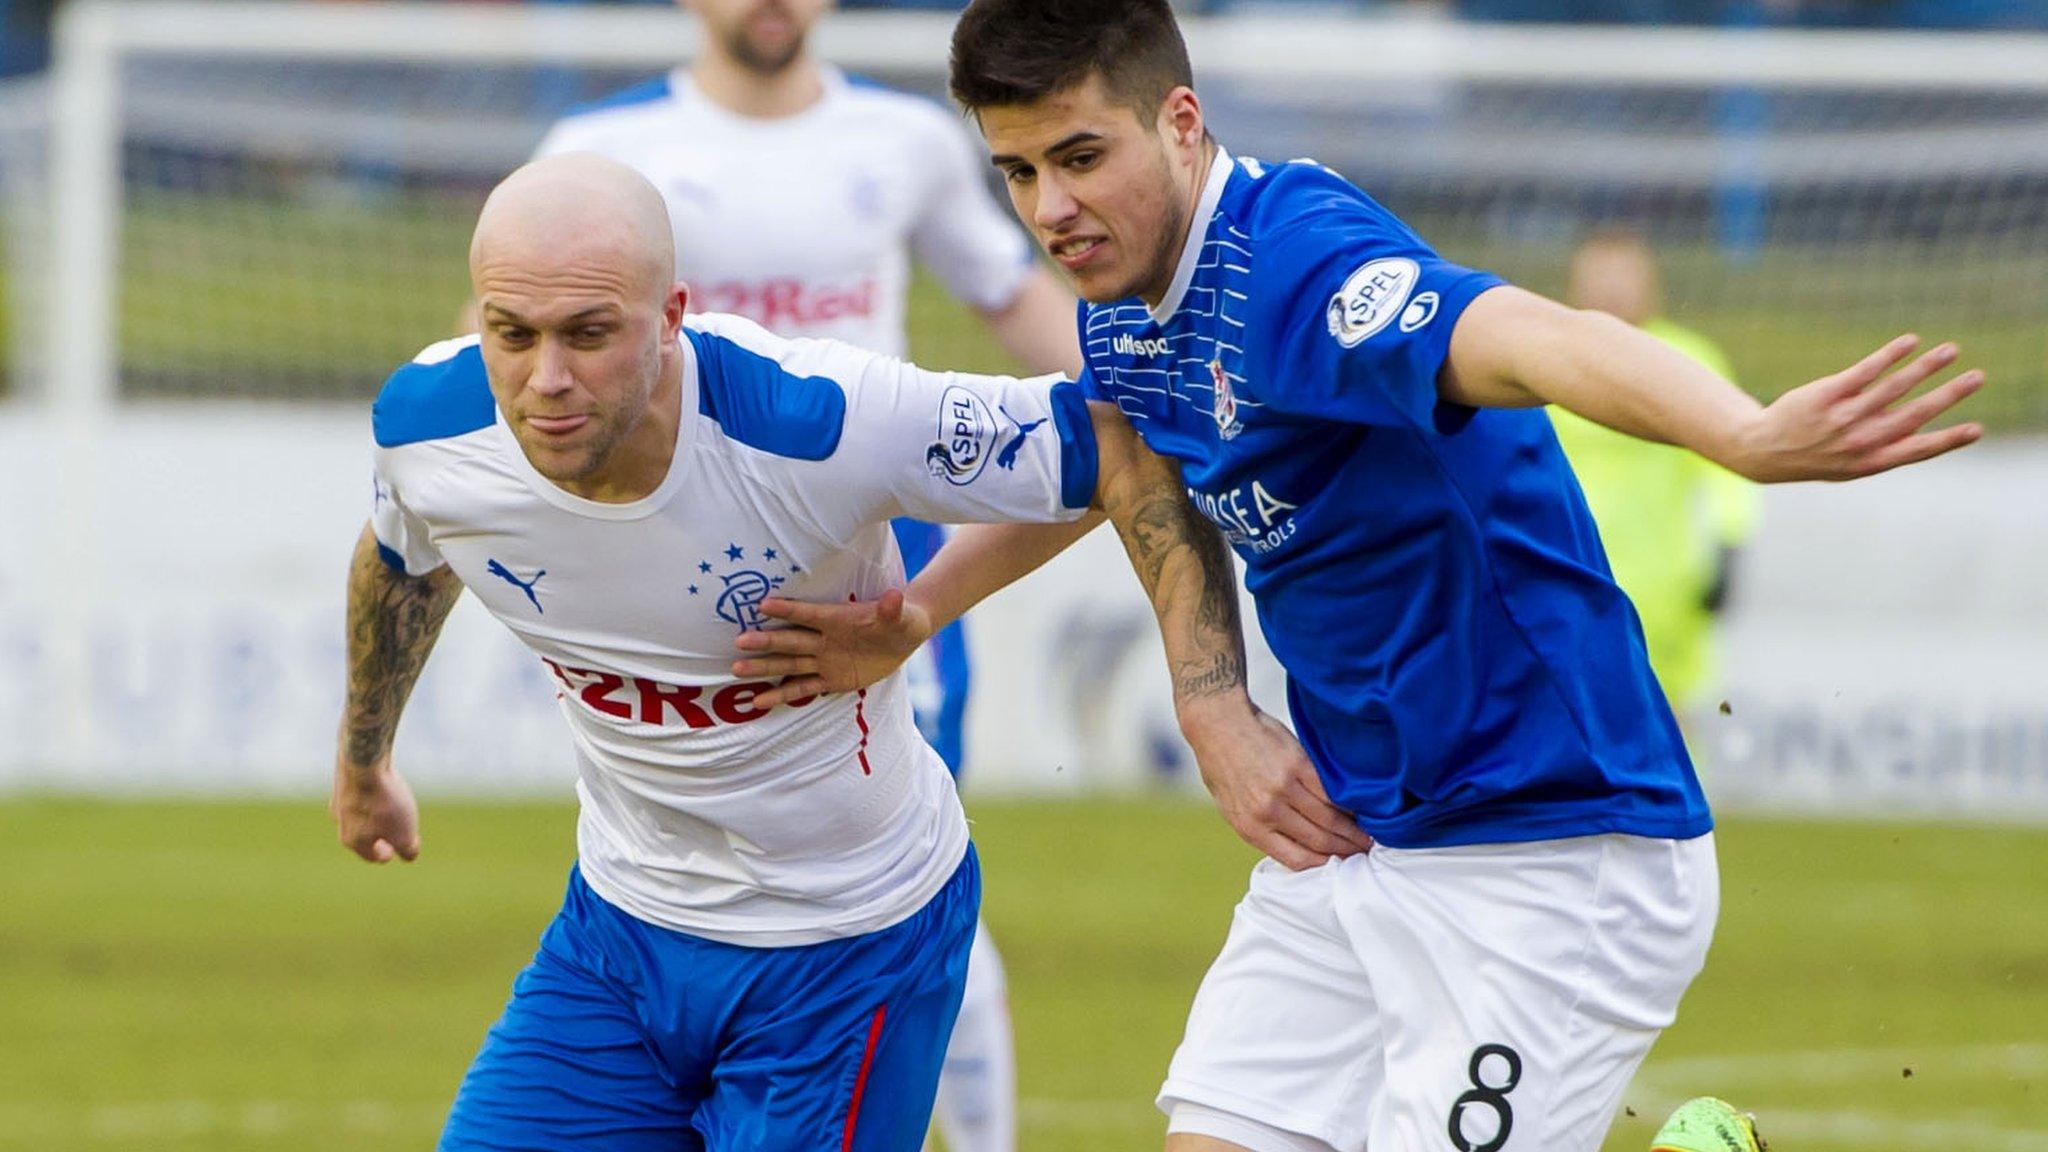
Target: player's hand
(1268,790)
(830,647)
(375,813)
(1854,422)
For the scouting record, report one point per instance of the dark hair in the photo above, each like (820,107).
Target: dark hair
(1018,51)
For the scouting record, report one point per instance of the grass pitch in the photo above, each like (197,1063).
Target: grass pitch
(221,976)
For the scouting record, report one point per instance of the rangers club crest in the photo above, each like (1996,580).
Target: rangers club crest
(746,580)
(1227,423)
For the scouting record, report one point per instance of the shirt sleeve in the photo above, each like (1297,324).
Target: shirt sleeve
(1351,319)
(966,238)
(403,541)
(958,448)
(1091,386)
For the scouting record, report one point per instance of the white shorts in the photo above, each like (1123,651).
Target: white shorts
(1490,998)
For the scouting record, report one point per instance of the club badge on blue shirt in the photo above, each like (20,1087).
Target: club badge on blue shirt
(1227,423)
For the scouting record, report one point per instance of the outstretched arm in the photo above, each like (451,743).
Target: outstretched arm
(1516,349)
(393,621)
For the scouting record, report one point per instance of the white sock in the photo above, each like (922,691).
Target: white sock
(977,1109)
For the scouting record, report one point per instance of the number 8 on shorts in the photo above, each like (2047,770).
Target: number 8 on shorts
(1486,1093)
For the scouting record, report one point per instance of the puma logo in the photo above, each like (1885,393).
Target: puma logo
(1007,458)
(526,586)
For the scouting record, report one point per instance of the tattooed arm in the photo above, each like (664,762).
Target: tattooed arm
(1264,784)
(393,621)
(1183,563)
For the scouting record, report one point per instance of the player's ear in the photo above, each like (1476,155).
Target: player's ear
(1180,119)
(673,308)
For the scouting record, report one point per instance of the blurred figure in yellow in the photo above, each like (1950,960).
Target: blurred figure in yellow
(1672,521)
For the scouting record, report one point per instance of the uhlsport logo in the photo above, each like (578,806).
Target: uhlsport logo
(1227,423)
(1371,298)
(967,430)
(1128,345)
(1420,311)
(737,587)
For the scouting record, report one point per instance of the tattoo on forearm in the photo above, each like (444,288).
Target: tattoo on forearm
(1217,664)
(393,621)
(1222,673)
(1185,567)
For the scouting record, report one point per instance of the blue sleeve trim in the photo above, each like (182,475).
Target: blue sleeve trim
(758,403)
(391,558)
(1463,290)
(451,397)
(1078,460)
(645,92)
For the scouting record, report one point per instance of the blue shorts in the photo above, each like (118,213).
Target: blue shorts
(622,1036)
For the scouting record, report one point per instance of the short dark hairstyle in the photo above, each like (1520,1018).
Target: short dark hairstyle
(1018,51)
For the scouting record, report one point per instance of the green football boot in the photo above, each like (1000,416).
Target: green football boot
(1708,1125)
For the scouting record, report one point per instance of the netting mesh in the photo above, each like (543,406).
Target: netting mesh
(296,231)
(1799,229)
(291,230)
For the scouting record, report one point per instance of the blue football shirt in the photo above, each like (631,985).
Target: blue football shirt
(1461,666)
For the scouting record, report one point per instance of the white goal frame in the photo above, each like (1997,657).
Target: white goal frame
(94,36)
(80,389)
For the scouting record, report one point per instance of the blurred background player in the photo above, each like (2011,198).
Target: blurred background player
(798,196)
(1672,521)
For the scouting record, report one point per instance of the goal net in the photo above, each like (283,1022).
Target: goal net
(280,195)
(270,202)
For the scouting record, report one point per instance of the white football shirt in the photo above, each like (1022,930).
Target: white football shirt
(803,223)
(701,812)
